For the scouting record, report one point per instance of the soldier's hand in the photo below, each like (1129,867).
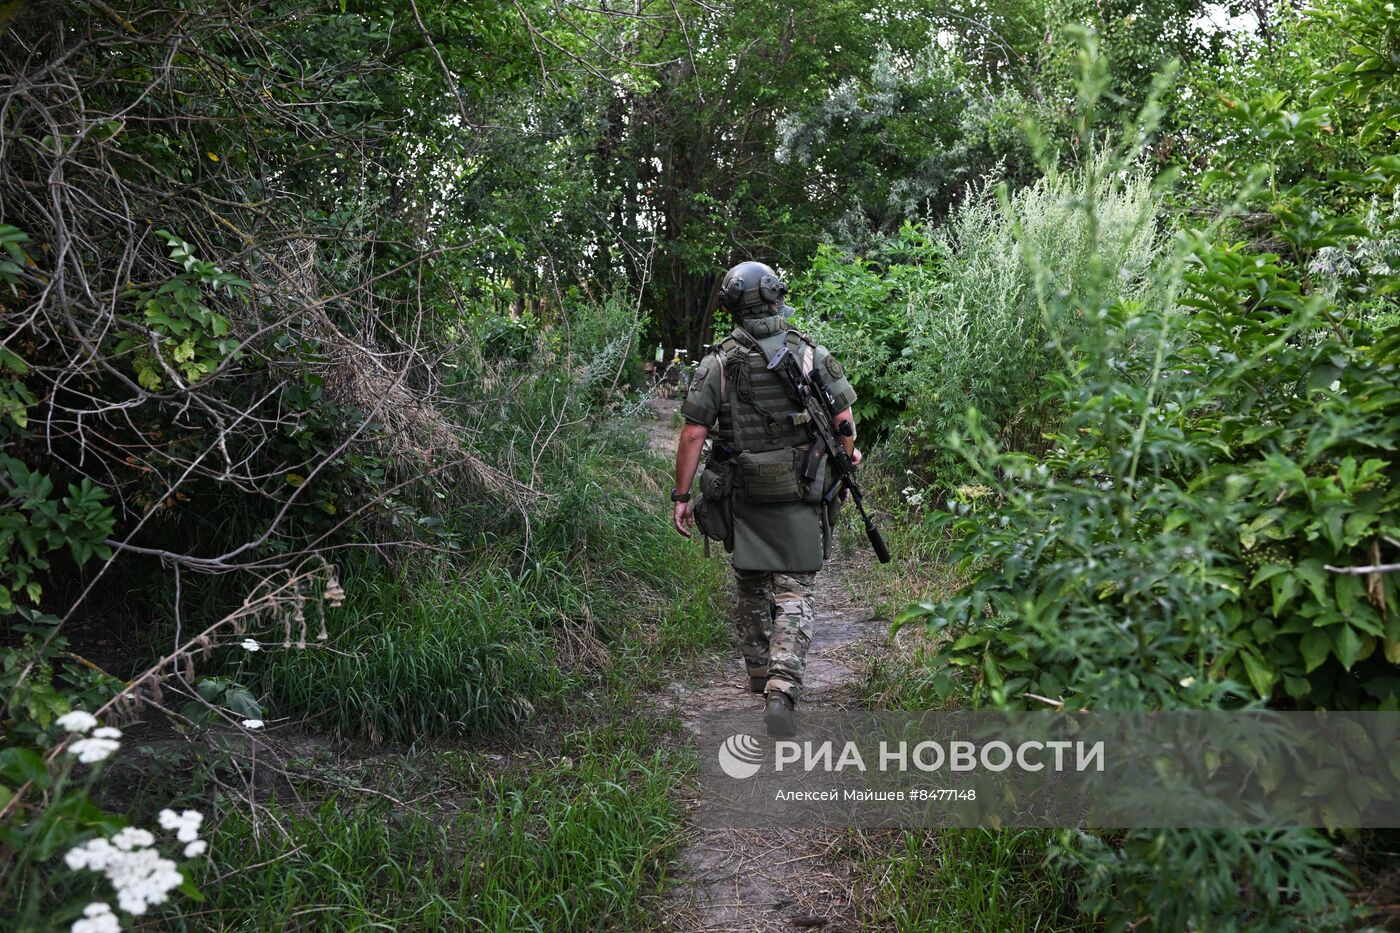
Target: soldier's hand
(855,461)
(683,518)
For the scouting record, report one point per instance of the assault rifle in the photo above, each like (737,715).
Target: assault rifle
(811,392)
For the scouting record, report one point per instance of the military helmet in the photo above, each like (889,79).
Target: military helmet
(751,288)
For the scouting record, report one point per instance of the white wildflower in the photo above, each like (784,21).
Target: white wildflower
(91,751)
(143,878)
(915,499)
(140,875)
(77,721)
(1187,682)
(253,723)
(250,644)
(94,854)
(97,918)
(186,824)
(196,848)
(107,732)
(133,838)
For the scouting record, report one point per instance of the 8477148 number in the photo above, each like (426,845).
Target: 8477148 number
(942,793)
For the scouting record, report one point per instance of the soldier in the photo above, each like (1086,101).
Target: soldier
(754,495)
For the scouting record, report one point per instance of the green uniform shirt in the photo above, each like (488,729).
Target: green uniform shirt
(789,537)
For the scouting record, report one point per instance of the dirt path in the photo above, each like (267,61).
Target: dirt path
(736,881)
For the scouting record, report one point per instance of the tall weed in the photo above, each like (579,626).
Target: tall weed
(982,337)
(934,320)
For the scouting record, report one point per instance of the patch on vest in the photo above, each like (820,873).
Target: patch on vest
(834,368)
(701,373)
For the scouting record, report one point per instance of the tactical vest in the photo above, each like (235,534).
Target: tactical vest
(756,413)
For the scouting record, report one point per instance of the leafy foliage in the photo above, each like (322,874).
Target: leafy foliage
(185,335)
(1212,467)
(939,318)
(415,247)
(1206,524)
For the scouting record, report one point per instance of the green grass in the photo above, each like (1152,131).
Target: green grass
(459,648)
(574,834)
(441,658)
(942,881)
(968,880)
(578,839)
(554,849)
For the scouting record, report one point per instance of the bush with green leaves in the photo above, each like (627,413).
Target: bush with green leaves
(939,318)
(1203,879)
(1201,524)
(1210,523)
(859,307)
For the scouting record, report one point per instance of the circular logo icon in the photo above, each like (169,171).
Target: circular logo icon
(740,756)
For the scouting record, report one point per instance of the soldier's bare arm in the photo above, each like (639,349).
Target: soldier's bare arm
(849,441)
(688,448)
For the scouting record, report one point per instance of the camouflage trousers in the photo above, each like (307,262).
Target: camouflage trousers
(773,613)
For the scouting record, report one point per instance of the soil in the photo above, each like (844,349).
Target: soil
(740,880)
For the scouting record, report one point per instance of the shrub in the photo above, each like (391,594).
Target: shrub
(1204,526)
(935,320)
(981,336)
(859,307)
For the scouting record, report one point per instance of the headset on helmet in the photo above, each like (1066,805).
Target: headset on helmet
(751,286)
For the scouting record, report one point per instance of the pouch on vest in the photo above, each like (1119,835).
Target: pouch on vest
(771,476)
(812,491)
(714,513)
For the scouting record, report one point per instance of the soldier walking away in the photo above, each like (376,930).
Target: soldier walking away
(763,490)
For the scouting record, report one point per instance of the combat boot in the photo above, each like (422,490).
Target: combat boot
(777,715)
(758,685)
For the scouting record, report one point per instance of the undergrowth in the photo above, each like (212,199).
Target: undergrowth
(458,647)
(576,842)
(989,881)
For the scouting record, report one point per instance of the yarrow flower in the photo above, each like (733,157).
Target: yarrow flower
(97,918)
(252,723)
(196,848)
(77,721)
(133,838)
(107,732)
(250,644)
(186,824)
(91,751)
(140,875)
